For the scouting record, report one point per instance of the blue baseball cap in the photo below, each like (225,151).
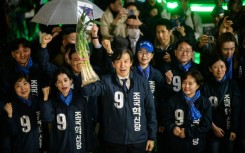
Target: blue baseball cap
(147,45)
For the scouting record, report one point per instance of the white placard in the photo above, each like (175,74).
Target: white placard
(88,8)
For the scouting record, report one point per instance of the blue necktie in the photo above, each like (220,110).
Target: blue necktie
(146,74)
(125,89)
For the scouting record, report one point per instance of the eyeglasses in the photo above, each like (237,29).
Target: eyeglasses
(187,51)
(144,53)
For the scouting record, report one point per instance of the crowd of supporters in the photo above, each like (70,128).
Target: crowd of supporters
(151,96)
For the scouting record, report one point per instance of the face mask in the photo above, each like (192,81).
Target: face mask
(134,33)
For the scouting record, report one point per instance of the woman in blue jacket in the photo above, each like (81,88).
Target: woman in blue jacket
(144,55)
(187,117)
(67,113)
(129,116)
(24,118)
(143,67)
(224,96)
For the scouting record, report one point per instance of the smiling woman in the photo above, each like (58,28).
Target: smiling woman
(66,111)
(22,88)
(187,116)
(24,117)
(224,95)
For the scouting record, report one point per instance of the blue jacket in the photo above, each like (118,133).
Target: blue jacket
(26,126)
(225,98)
(178,72)
(36,76)
(70,130)
(176,113)
(156,83)
(128,118)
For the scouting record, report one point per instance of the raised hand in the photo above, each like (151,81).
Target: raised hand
(94,30)
(46,91)
(225,25)
(9,109)
(107,45)
(169,76)
(45,39)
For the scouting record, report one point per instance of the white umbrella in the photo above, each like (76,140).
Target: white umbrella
(62,12)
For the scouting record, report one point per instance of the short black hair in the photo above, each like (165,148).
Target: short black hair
(183,40)
(195,74)
(67,31)
(118,54)
(61,70)
(19,76)
(164,22)
(14,45)
(216,58)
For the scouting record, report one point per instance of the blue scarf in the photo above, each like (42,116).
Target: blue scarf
(25,70)
(66,100)
(25,101)
(223,79)
(230,64)
(145,72)
(194,114)
(186,66)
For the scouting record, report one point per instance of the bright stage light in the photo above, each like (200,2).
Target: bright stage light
(196,7)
